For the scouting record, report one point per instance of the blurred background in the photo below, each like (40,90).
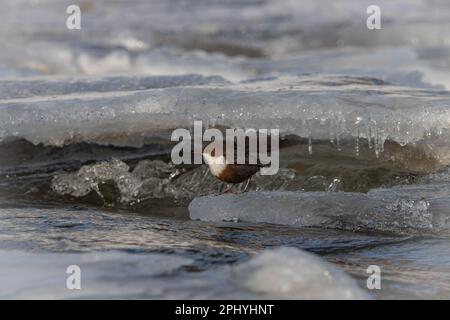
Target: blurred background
(235,39)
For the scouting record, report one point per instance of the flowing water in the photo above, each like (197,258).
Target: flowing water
(86,178)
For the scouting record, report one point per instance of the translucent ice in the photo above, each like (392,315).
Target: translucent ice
(316,107)
(382,210)
(113,181)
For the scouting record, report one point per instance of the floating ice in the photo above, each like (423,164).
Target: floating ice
(381,210)
(284,273)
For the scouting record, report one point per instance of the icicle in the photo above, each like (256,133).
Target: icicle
(377,144)
(331,126)
(357,122)
(338,136)
(310,145)
(357,143)
(338,142)
(331,137)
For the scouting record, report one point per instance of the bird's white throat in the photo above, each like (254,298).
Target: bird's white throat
(216,164)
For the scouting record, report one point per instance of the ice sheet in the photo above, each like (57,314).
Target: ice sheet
(330,108)
(411,211)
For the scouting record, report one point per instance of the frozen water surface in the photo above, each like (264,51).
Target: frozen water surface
(300,276)
(321,107)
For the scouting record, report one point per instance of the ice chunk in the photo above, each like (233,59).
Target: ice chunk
(383,210)
(289,273)
(113,182)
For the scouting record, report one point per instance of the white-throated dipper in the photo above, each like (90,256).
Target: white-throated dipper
(230,173)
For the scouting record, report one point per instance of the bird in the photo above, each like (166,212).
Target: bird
(229,173)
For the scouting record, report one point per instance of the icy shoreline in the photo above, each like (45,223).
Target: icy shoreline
(321,108)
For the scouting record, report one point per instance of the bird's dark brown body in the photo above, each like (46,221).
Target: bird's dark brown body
(229,173)
(237,173)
